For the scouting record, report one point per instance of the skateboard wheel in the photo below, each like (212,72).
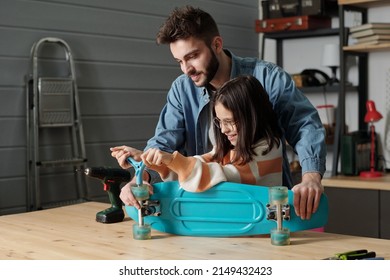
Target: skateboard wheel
(278,195)
(140,192)
(280,237)
(141,232)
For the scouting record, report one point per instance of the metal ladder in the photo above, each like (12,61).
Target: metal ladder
(52,102)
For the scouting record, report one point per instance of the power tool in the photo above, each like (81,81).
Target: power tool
(112,179)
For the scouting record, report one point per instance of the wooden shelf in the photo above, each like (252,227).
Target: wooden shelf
(330,88)
(367,48)
(364,3)
(298,34)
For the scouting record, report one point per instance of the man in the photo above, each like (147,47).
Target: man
(185,121)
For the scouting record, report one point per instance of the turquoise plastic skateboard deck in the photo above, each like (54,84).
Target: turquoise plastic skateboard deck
(228,209)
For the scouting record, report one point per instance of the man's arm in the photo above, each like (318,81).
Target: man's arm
(304,131)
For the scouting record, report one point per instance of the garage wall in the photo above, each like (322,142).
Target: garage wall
(122,78)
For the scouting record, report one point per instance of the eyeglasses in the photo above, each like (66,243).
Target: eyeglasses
(229,124)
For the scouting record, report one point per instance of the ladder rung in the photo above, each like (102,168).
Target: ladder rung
(61,162)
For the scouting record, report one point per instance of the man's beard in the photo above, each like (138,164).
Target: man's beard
(211,70)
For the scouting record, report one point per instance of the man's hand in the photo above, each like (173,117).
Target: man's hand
(121,153)
(127,196)
(307,195)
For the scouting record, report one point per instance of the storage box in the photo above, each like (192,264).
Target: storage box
(292,23)
(355,152)
(283,8)
(289,8)
(319,7)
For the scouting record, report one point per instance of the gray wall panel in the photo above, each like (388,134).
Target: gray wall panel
(122,76)
(121,102)
(119,76)
(13,162)
(15,202)
(119,128)
(12,102)
(13,132)
(87,47)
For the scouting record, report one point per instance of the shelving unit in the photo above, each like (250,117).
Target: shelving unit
(281,36)
(361,52)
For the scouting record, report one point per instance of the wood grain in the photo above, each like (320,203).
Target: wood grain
(71,233)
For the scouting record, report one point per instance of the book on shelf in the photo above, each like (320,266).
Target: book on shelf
(370,32)
(373,38)
(371,25)
(373,42)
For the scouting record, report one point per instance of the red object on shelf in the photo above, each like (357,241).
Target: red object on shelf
(295,23)
(372,116)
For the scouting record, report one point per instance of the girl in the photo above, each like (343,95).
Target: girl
(247,145)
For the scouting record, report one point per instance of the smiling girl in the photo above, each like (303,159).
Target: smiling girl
(247,145)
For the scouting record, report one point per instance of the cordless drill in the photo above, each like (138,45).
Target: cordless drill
(112,178)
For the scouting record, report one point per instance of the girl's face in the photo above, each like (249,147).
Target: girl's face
(226,123)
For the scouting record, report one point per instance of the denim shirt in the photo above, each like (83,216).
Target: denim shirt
(185,119)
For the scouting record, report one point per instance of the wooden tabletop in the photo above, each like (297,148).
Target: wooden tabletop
(357,182)
(71,233)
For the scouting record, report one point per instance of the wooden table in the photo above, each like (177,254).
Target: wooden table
(71,233)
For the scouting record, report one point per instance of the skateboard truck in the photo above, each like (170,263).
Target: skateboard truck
(150,208)
(272,212)
(279,210)
(141,231)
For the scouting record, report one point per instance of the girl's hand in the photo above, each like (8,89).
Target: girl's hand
(157,157)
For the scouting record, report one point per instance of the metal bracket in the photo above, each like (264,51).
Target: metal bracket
(272,212)
(151,208)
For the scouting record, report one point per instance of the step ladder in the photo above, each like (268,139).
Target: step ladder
(52,105)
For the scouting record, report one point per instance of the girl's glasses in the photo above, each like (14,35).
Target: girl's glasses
(229,124)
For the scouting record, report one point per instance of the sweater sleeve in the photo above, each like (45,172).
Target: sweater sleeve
(197,173)
(200,173)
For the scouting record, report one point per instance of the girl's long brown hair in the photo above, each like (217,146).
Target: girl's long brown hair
(255,119)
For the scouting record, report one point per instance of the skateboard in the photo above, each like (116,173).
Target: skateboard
(227,209)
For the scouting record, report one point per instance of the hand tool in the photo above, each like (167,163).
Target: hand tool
(353,255)
(112,178)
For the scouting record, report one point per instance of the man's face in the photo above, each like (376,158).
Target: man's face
(196,60)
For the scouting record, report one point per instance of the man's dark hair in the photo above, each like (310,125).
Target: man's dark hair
(255,118)
(187,22)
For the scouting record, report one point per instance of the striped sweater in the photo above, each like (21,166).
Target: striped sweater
(199,173)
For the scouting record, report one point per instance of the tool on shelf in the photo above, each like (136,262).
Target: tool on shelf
(112,179)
